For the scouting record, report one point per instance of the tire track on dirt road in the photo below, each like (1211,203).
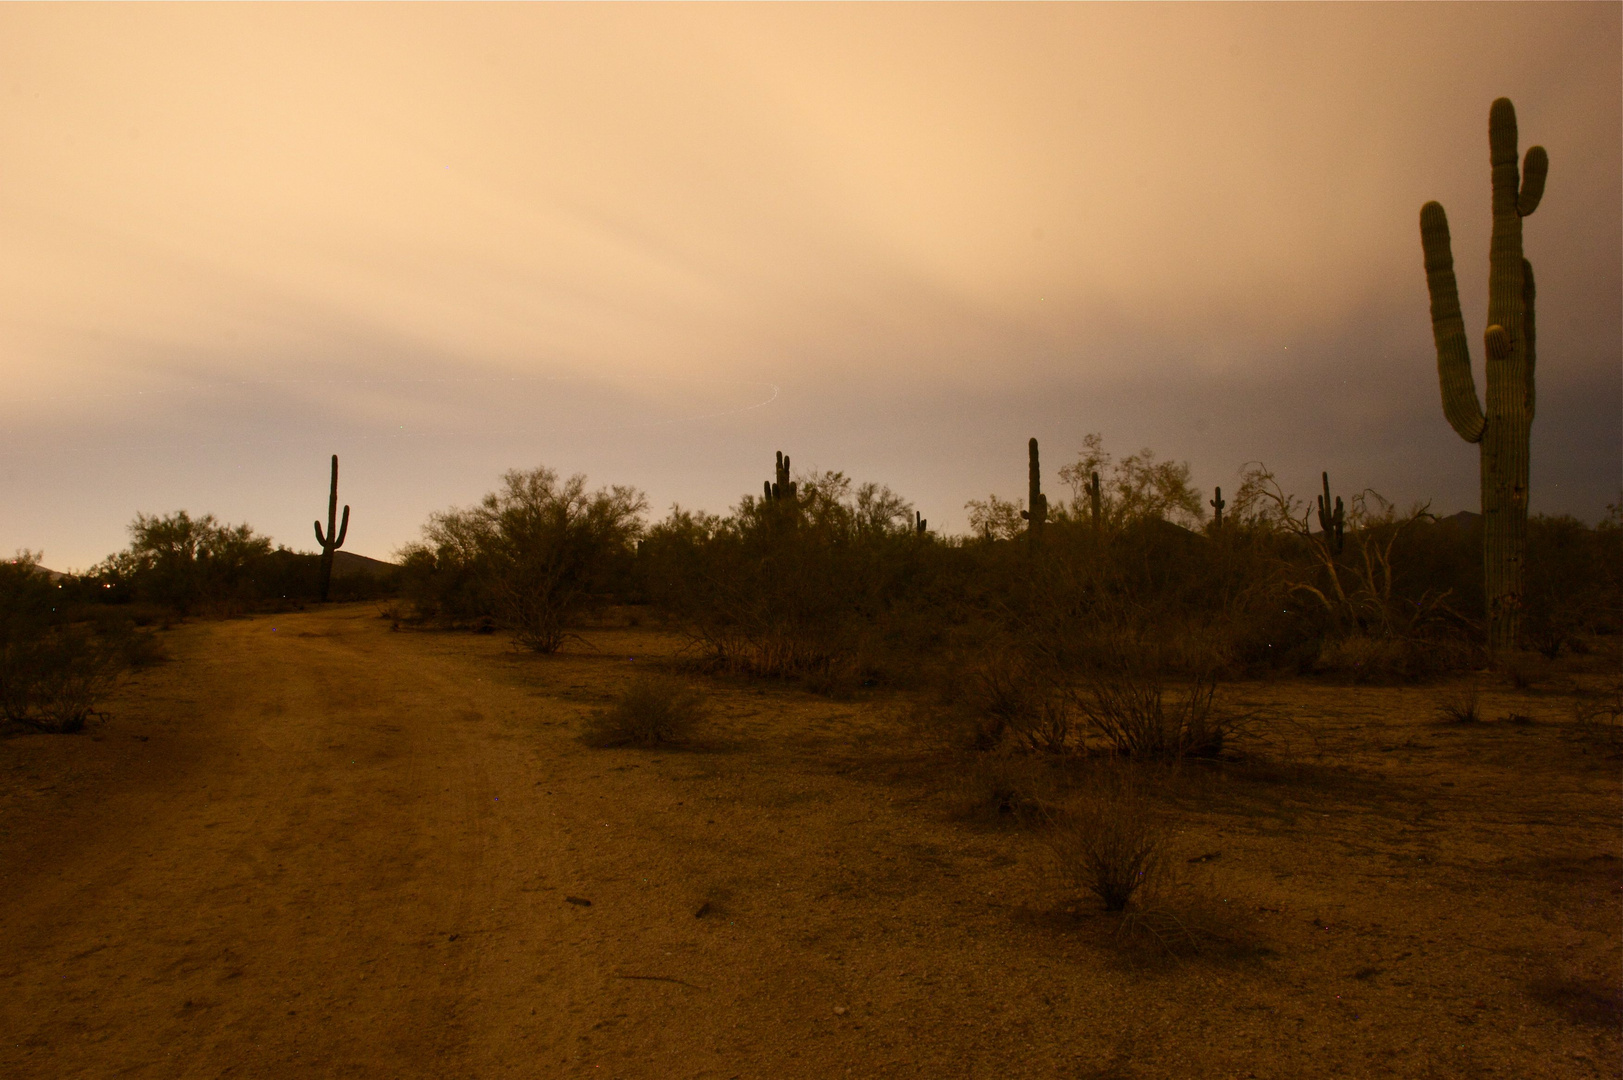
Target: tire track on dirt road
(312,891)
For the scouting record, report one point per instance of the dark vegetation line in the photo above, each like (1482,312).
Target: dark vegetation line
(842,585)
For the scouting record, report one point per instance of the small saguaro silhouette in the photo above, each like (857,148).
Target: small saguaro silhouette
(331,543)
(1036,513)
(1332,521)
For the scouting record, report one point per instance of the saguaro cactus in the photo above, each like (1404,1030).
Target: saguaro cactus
(1036,513)
(920,525)
(1217,504)
(1333,522)
(782,495)
(331,543)
(1503,432)
(1095,499)
(784,490)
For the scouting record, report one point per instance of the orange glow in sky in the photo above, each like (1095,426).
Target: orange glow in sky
(657,243)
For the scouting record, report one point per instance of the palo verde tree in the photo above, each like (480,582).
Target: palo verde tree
(1503,431)
(531,554)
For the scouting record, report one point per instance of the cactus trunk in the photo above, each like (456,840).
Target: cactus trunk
(331,542)
(1504,431)
(1332,521)
(1036,513)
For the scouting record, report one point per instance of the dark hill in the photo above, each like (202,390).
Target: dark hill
(349,564)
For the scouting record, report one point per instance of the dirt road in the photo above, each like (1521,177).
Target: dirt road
(309,846)
(360,853)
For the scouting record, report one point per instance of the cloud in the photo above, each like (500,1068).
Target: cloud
(992,204)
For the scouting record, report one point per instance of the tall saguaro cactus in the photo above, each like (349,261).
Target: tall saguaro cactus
(1503,431)
(1036,513)
(331,543)
(1216,503)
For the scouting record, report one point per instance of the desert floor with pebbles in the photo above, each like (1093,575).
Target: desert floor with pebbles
(311,845)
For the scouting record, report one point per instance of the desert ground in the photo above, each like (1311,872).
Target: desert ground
(310,844)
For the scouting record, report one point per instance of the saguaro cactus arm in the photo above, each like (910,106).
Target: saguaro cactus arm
(1460,402)
(784,488)
(343,530)
(1535,168)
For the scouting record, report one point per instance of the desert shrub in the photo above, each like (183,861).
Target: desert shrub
(1461,706)
(839,590)
(1106,840)
(1003,787)
(1137,488)
(1008,698)
(185,564)
(995,519)
(1141,714)
(1386,600)
(1362,658)
(57,660)
(808,588)
(54,682)
(652,710)
(1598,716)
(1568,588)
(531,555)
(179,565)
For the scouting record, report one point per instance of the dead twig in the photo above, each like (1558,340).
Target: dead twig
(660,978)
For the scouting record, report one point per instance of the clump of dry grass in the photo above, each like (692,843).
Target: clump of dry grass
(1106,839)
(1142,714)
(1006,788)
(1462,706)
(1599,717)
(653,710)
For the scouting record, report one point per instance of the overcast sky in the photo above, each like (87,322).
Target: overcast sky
(657,243)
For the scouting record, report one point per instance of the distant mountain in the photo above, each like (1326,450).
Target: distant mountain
(1463,520)
(349,564)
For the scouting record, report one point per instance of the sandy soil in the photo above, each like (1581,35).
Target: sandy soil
(310,846)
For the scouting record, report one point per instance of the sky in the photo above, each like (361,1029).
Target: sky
(654,244)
